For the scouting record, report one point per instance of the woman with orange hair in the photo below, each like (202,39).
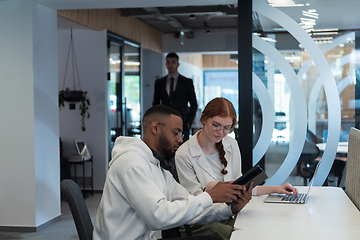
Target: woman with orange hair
(211,156)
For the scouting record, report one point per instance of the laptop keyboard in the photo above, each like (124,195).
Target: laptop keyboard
(293,198)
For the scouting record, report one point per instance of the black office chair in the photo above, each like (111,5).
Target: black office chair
(74,197)
(304,166)
(337,169)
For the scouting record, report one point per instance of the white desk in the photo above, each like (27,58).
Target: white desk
(342,147)
(327,214)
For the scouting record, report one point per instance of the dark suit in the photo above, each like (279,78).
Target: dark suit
(184,92)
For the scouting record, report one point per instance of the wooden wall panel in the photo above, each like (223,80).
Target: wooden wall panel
(218,61)
(111,19)
(194,59)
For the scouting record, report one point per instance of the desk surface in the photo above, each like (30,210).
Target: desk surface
(327,214)
(342,147)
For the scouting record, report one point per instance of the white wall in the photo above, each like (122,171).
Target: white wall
(46,123)
(196,74)
(152,68)
(91,54)
(29,145)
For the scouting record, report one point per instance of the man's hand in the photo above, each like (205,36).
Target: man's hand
(243,199)
(225,192)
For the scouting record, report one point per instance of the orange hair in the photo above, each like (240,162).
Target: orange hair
(223,108)
(219,107)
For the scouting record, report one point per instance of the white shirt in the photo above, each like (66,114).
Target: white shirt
(168,82)
(216,165)
(194,169)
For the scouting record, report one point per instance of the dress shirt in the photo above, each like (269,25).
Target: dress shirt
(168,82)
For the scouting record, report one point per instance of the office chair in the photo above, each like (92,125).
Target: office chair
(79,210)
(310,157)
(279,126)
(306,164)
(352,183)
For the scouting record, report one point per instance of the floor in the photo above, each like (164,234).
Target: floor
(61,229)
(64,227)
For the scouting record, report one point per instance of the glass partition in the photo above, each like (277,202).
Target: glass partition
(304,94)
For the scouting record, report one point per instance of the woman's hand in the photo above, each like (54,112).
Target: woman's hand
(287,189)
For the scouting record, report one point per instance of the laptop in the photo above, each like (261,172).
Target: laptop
(82,149)
(283,198)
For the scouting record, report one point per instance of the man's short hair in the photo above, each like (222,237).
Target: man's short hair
(160,110)
(172,55)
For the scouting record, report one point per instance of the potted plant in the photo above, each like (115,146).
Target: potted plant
(76,96)
(72,95)
(84,107)
(68,95)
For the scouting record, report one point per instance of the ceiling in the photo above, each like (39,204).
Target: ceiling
(171,19)
(191,16)
(186,18)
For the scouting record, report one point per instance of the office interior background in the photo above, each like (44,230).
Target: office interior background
(120,53)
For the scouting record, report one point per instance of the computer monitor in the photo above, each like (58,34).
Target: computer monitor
(82,149)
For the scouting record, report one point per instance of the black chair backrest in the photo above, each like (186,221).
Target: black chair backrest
(74,197)
(311,137)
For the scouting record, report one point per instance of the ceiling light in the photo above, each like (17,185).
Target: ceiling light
(326,30)
(284,3)
(312,12)
(313,15)
(308,19)
(323,38)
(268,39)
(182,34)
(307,24)
(132,63)
(325,33)
(306,27)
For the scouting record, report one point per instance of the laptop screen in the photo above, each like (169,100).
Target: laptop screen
(82,149)
(312,180)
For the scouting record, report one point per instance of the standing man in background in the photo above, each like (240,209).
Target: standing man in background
(176,91)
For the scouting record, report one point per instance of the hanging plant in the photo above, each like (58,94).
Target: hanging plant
(84,107)
(68,95)
(61,99)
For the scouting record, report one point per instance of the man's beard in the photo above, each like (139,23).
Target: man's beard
(165,147)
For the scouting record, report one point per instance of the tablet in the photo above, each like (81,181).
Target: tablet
(255,175)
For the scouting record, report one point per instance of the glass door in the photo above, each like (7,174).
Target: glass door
(123,89)
(115,121)
(132,89)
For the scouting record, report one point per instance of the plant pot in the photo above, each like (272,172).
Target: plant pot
(72,96)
